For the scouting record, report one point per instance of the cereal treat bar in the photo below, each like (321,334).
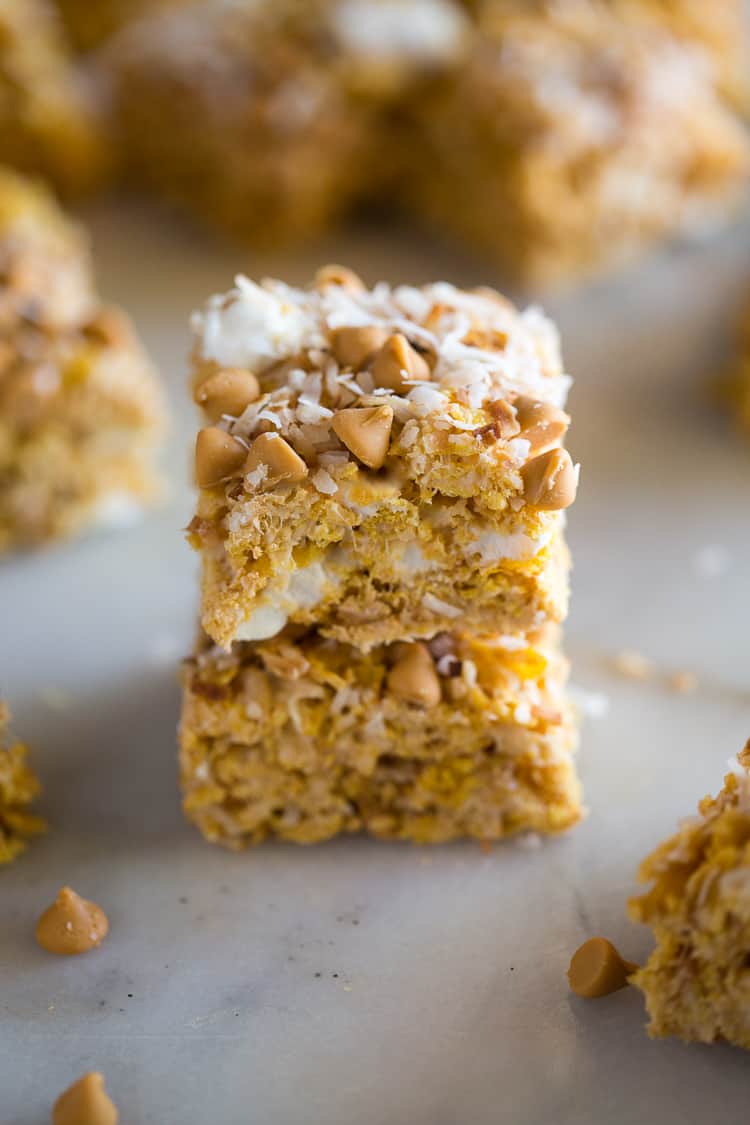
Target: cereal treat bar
(697,980)
(720,28)
(382,464)
(48,124)
(80,407)
(574,138)
(18,788)
(303,737)
(269,118)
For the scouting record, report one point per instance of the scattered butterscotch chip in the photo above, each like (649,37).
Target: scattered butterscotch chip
(354,347)
(550,481)
(542,424)
(397,363)
(217,456)
(282,462)
(633,665)
(366,432)
(413,676)
(86,1102)
(339,275)
(227,392)
(596,969)
(71,925)
(683,683)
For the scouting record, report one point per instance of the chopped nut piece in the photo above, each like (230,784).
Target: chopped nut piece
(339,275)
(354,347)
(597,969)
(217,456)
(71,925)
(633,665)
(505,421)
(413,676)
(541,424)
(550,481)
(397,362)
(282,461)
(227,392)
(85,1103)
(366,432)
(683,683)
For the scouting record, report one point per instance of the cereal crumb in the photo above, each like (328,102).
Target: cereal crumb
(683,683)
(632,665)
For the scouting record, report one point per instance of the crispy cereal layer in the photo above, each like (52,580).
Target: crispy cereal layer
(18,788)
(697,980)
(304,738)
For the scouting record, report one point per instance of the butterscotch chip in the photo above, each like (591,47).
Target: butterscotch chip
(550,481)
(217,456)
(86,1102)
(397,363)
(341,276)
(71,925)
(597,969)
(542,424)
(354,347)
(366,432)
(227,392)
(505,422)
(413,676)
(282,462)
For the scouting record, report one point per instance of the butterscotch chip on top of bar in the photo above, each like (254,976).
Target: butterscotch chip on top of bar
(18,788)
(697,980)
(302,737)
(49,122)
(81,410)
(576,136)
(397,467)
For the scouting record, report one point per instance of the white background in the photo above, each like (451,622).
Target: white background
(358,981)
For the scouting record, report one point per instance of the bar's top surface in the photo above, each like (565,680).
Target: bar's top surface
(482,345)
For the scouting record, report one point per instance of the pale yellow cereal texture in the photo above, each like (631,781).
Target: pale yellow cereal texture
(697,980)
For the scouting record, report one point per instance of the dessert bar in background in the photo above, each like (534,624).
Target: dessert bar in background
(697,980)
(49,122)
(572,139)
(81,409)
(272,118)
(18,788)
(380,523)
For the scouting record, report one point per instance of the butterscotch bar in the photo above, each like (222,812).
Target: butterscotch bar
(574,137)
(302,737)
(271,118)
(81,410)
(697,980)
(381,464)
(49,123)
(18,788)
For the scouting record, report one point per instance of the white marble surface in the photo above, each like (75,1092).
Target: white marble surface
(360,982)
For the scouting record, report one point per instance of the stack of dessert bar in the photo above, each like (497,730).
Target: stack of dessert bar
(380,522)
